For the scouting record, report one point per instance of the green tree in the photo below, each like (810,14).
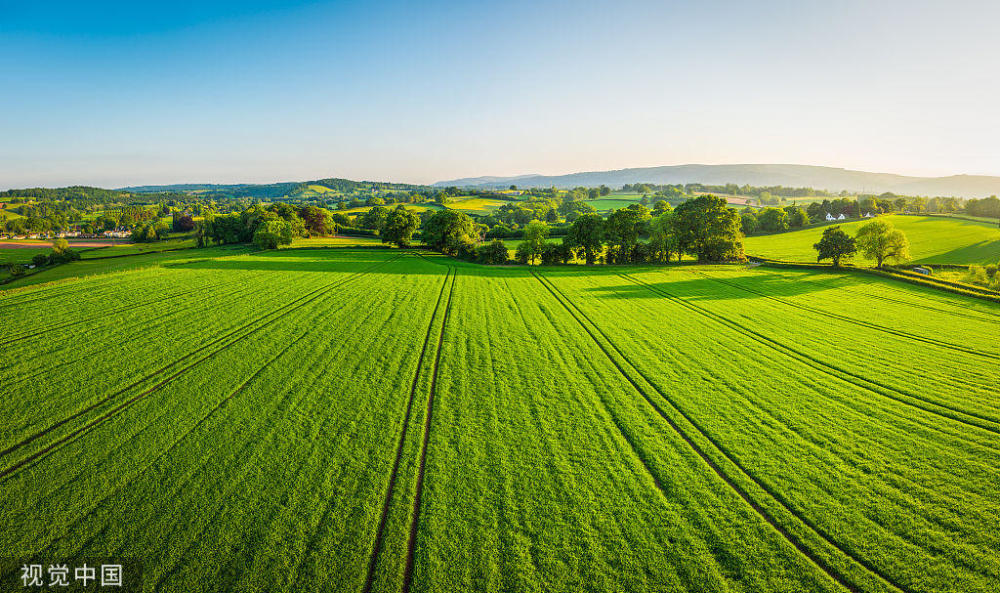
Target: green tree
(663,238)
(399,226)
(587,233)
(798,218)
(59,245)
(449,231)
(494,253)
(709,229)
(748,223)
(661,207)
(272,233)
(836,245)
(771,220)
(534,240)
(374,219)
(880,241)
(622,231)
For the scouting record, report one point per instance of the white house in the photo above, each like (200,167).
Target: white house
(841,217)
(868,214)
(830,216)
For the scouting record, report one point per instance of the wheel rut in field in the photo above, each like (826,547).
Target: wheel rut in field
(818,560)
(390,488)
(852,320)
(940,409)
(103,315)
(263,321)
(411,547)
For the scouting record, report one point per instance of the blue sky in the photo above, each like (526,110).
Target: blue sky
(114,93)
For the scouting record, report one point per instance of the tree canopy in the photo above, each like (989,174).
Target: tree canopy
(880,241)
(835,245)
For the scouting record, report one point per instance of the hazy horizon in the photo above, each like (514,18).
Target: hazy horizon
(114,94)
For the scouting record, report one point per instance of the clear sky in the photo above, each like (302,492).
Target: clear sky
(120,93)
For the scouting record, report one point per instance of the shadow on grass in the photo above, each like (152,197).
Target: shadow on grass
(695,287)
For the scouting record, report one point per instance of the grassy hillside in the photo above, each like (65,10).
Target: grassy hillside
(933,239)
(337,416)
(476,205)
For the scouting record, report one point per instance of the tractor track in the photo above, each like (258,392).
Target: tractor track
(380,531)
(411,547)
(816,559)
(275,315)
(944,411)
(106,314)
(239,389)
(979,316)
(852,320)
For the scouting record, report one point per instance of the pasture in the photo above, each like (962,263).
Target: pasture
(385,420)
(933,240)
(476,205)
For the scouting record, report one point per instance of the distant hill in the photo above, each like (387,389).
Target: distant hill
(825,178)
(270,190)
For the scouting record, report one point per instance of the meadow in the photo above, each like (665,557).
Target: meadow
(387,420)
(933,240)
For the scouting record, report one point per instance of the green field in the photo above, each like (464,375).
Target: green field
(104,265)
(336,419)
(412,207)
(476,205)
(933,239)
(22,255)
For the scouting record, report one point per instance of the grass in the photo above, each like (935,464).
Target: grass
(337,241)
(94,266)
(22,255)
(412,207)
(933,239)
(392,420)
(476,205)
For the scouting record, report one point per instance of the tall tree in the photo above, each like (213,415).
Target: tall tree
(622,231)
(587,233)
(880,241)
(449,231)
(400,224)
(709,229)
(374,219)
(534,240)
(836,245)
(663,237)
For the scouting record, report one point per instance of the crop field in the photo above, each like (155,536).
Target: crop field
(365,420)
(94,266)
(20,254)
(933,239)
(476,205)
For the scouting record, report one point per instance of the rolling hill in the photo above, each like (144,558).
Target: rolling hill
(828,178)
(933,240)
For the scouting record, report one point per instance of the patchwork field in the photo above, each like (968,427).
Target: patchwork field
(933,239)
(378,420)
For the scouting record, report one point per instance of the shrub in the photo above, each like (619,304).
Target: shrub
(40,260)
(17,270)
(976,275)
(493,253)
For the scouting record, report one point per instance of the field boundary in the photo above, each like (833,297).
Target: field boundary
(823,564)
(280,313)
(380,531)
